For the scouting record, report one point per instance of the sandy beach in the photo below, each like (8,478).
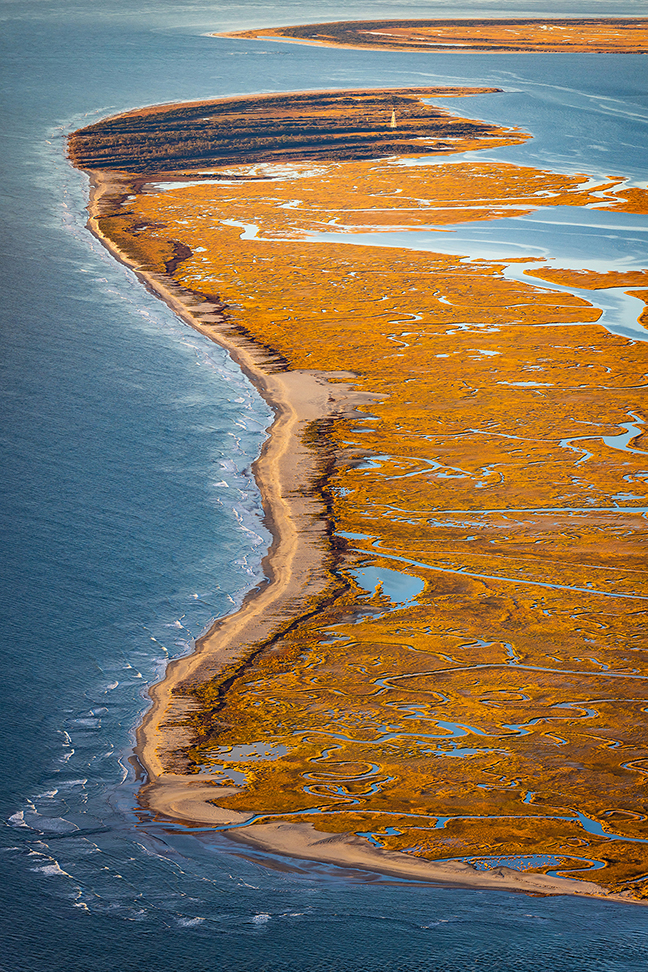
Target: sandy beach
(285,471)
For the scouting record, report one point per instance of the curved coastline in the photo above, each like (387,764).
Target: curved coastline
(283,471)
(295,570)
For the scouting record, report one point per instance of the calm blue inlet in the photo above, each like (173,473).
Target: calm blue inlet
(130,520)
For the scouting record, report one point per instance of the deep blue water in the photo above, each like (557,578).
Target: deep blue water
(129,519)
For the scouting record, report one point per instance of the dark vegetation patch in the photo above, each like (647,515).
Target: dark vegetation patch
(327,126)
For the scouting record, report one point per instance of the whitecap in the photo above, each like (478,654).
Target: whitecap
(51,870)
(18,819)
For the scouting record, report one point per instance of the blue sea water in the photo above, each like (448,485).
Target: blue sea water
(130,519)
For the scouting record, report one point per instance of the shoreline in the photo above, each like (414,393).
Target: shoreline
(295,563)
(347,850)
(296,571)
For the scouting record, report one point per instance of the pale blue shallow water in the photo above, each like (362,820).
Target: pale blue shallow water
(129,520)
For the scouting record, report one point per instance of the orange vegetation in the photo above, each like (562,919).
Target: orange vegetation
(559,36)
(642,295)
(632,201)
(474,680)
(589,280)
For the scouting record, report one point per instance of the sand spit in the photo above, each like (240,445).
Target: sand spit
(303,841)
(192,802)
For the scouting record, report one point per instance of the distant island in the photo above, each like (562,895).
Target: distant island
(577,35)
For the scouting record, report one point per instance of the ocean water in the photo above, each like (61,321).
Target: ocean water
(130,519)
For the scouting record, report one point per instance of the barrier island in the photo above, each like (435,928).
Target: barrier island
(444,675)
(628,35)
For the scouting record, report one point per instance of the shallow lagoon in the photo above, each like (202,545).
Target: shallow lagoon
(110,531)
